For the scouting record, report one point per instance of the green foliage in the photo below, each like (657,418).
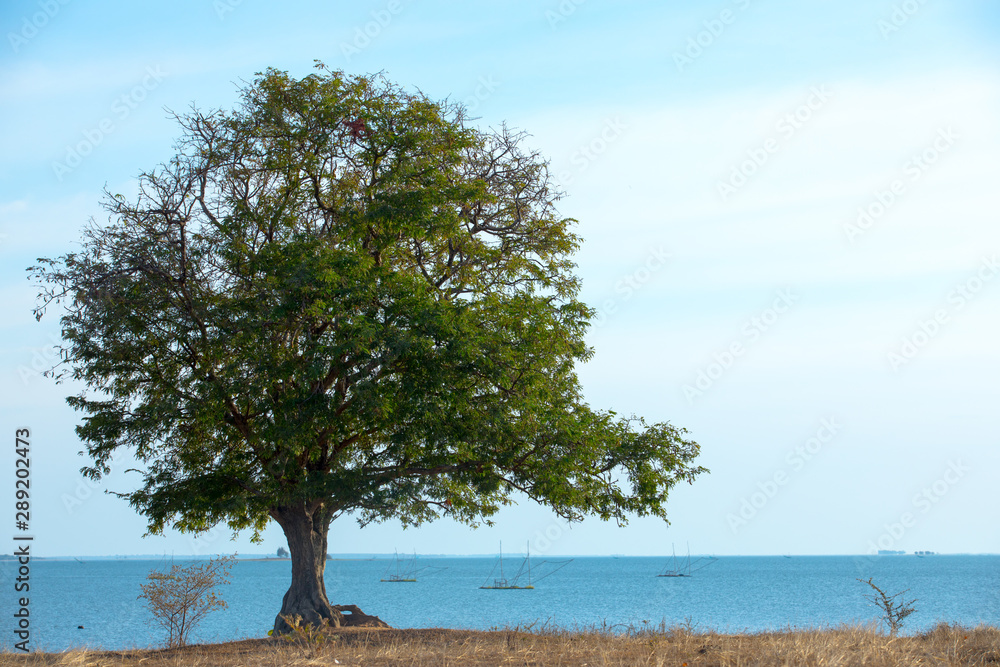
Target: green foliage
(340,297)
(894,609)
(181,598)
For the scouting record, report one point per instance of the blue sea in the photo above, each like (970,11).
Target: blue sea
(734,593)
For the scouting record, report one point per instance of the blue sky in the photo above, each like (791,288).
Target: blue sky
(790,215)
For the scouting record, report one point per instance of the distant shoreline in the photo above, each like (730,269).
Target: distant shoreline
(389,556)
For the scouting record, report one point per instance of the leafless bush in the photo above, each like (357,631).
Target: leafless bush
(894,608)
(180,599)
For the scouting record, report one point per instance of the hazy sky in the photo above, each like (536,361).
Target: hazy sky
(791,222)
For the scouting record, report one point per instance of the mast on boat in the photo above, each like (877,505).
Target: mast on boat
(503,584)
(405,575)
(503,581)
(527,551)
(407,572)
(687,569)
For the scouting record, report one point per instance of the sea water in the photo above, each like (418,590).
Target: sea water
(734,593)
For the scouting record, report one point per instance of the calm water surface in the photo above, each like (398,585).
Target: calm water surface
(735,594)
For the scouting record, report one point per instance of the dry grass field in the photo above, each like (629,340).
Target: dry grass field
(944,645)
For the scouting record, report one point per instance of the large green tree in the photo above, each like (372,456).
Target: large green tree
(341,298)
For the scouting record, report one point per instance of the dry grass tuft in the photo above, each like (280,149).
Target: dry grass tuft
(847,646)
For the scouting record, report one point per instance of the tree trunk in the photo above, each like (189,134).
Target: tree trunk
(306,532)
(306,528)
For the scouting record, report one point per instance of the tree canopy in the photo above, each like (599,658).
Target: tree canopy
(339,298)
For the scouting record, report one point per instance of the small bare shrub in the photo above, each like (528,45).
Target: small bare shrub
(893,608)
(180,599)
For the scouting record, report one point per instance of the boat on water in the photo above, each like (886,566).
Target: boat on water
(685,569)
(404,571)
(522,579)
(401,573)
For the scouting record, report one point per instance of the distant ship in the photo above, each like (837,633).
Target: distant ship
(924,553)
(401,573)
(404,573)
(686,569)
(523,574)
